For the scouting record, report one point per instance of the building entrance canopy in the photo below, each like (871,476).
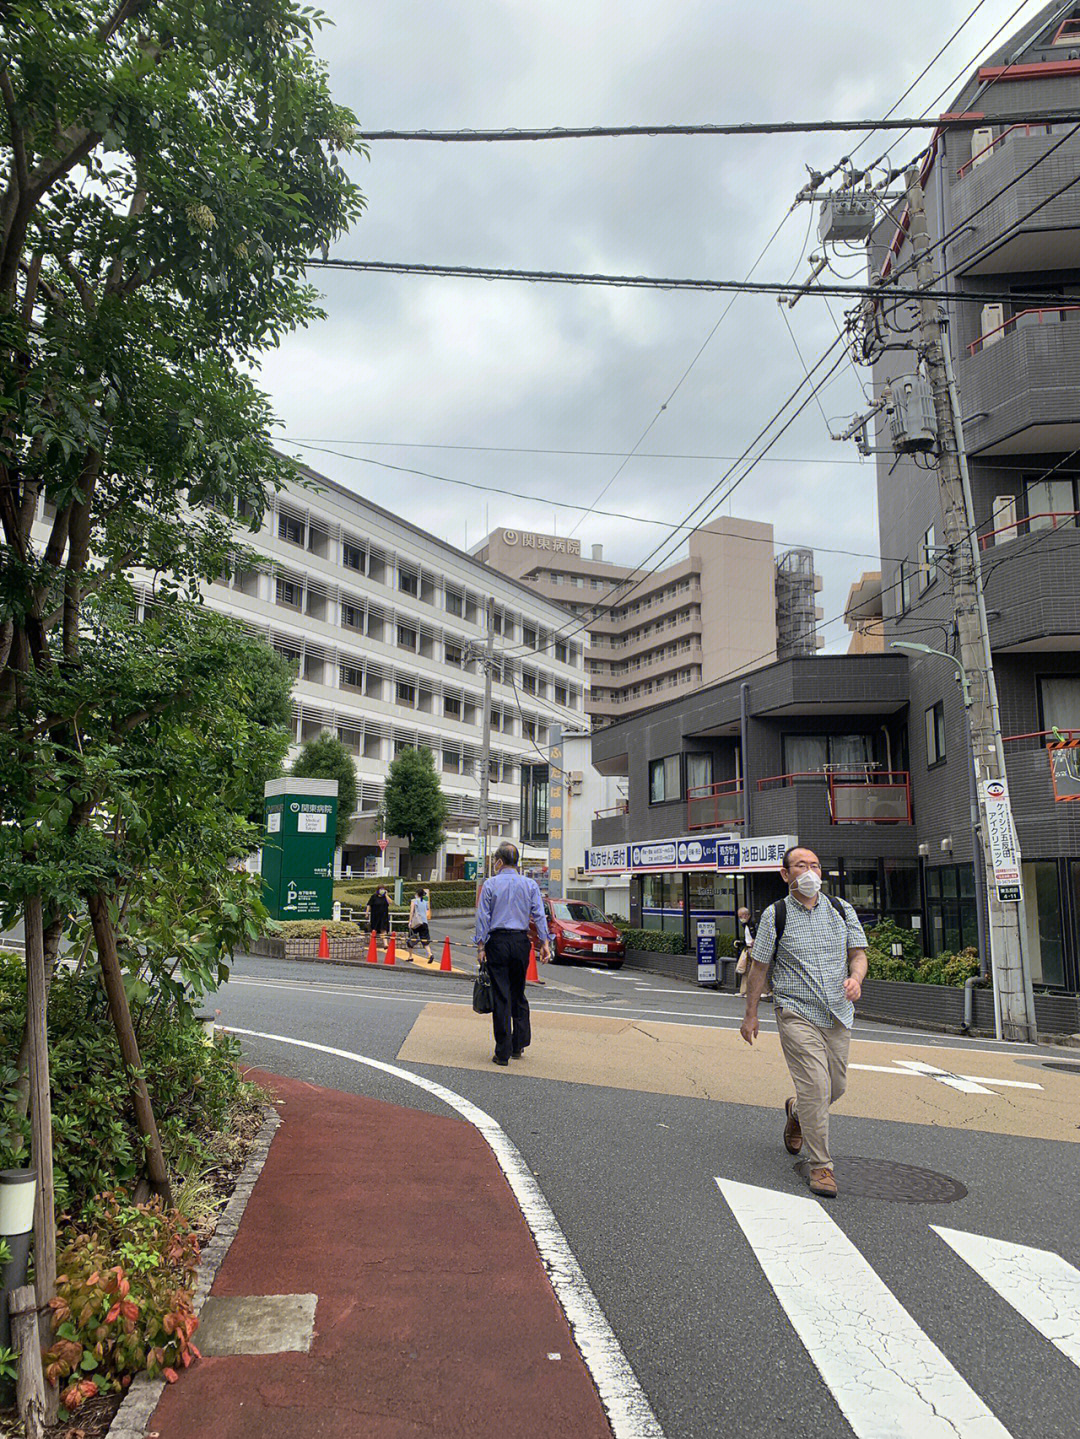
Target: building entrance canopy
(727,853)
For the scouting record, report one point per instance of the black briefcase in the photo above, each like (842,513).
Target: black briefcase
(481,992)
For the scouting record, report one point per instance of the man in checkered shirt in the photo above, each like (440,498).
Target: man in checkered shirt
(818,968)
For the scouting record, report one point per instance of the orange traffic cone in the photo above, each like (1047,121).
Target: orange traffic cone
(532,972)
(372,957)
(390,959)
(324,945)
(445,967)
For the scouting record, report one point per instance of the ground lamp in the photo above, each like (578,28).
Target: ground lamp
(17,1190)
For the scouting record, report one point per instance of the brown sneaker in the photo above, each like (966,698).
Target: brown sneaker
(823,1182)
(792,1132)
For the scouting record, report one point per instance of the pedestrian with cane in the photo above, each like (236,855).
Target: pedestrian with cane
(508,902)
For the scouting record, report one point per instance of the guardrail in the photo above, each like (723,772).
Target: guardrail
(1014,322)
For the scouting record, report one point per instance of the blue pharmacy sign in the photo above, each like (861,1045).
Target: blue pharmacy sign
(706,951)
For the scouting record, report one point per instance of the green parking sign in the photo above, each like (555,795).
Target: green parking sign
(299,828)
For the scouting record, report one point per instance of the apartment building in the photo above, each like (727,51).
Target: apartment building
(382,622)
(725,608)
(992,196)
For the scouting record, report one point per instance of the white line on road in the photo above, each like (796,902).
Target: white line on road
(888,1378)
(976,1079)
(1039,1284)
(622,1396)
(423,994)
(944,1076)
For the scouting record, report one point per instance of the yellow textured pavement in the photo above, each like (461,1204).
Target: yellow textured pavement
(716,1064)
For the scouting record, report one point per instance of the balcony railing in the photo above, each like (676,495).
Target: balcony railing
(715,806)
(1030,525)
(1000,140)
(856,796)
(613,811)
(1052,315)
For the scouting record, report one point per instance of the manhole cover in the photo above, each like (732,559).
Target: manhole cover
(1063,1066)
(886,1179)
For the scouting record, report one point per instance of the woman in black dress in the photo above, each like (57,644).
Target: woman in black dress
(378,914)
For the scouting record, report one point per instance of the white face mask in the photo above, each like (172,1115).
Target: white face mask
(808,883)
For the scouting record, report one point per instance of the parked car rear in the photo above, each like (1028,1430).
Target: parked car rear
(581,931)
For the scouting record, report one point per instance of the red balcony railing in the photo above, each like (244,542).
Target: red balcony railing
(856,796)
(613,811)
(715,806)
(1052,315)
(1040,738)
(1000,140)
(1048,520)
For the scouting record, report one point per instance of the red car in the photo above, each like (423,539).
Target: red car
(580,931)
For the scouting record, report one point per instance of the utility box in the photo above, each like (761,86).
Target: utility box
(299,838)
(846,218)
(914,427)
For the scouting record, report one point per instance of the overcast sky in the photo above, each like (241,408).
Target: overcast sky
(461,377)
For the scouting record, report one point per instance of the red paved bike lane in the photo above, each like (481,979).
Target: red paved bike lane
(434,1315)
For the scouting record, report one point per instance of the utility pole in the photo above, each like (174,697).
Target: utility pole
(1014,1002)
(487,660)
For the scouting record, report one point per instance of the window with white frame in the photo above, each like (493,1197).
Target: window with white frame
(927,559)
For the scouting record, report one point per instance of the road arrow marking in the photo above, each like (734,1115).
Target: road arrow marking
(1039,1284)
(888,1378)
(944,1076)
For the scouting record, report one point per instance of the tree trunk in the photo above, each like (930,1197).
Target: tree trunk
(32,1393)
(105,937)
(41,1126)
(50,945)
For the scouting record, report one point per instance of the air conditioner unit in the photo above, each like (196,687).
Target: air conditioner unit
(981,140)
(911,419)
(992,319)
(1004,518)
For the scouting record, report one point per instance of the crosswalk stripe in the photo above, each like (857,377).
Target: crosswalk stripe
(888,1378)
(1039,1284)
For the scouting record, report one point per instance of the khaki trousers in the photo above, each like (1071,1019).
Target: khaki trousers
(817,1060)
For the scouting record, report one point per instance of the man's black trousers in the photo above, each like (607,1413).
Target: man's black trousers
(507,956)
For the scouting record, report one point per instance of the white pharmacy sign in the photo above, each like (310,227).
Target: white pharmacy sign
(1001,832)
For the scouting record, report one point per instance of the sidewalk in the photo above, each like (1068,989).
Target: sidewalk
(433,1314)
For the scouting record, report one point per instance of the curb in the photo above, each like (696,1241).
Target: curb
(141,1400)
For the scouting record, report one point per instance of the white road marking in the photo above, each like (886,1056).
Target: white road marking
(422,993)
(889,1380)
(1039,1284)
(943,1076)
(976,1079)
(620,1393)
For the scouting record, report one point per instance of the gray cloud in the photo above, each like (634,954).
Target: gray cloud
(417,361)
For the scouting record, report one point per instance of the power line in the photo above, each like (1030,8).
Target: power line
(559,504)
(764,127)
(723,316)
(653,282)
(620,589)
(314,440)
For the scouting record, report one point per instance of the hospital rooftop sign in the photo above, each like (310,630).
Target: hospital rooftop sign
(556,544)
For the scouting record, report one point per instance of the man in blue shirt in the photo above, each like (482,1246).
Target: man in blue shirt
(507,903)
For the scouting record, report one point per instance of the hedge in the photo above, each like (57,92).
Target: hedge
(654,941)
(312,928)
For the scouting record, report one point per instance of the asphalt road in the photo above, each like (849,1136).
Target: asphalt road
(707,1289)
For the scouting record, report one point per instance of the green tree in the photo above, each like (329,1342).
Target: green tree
(414,805)
(325,757)
(165,168)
